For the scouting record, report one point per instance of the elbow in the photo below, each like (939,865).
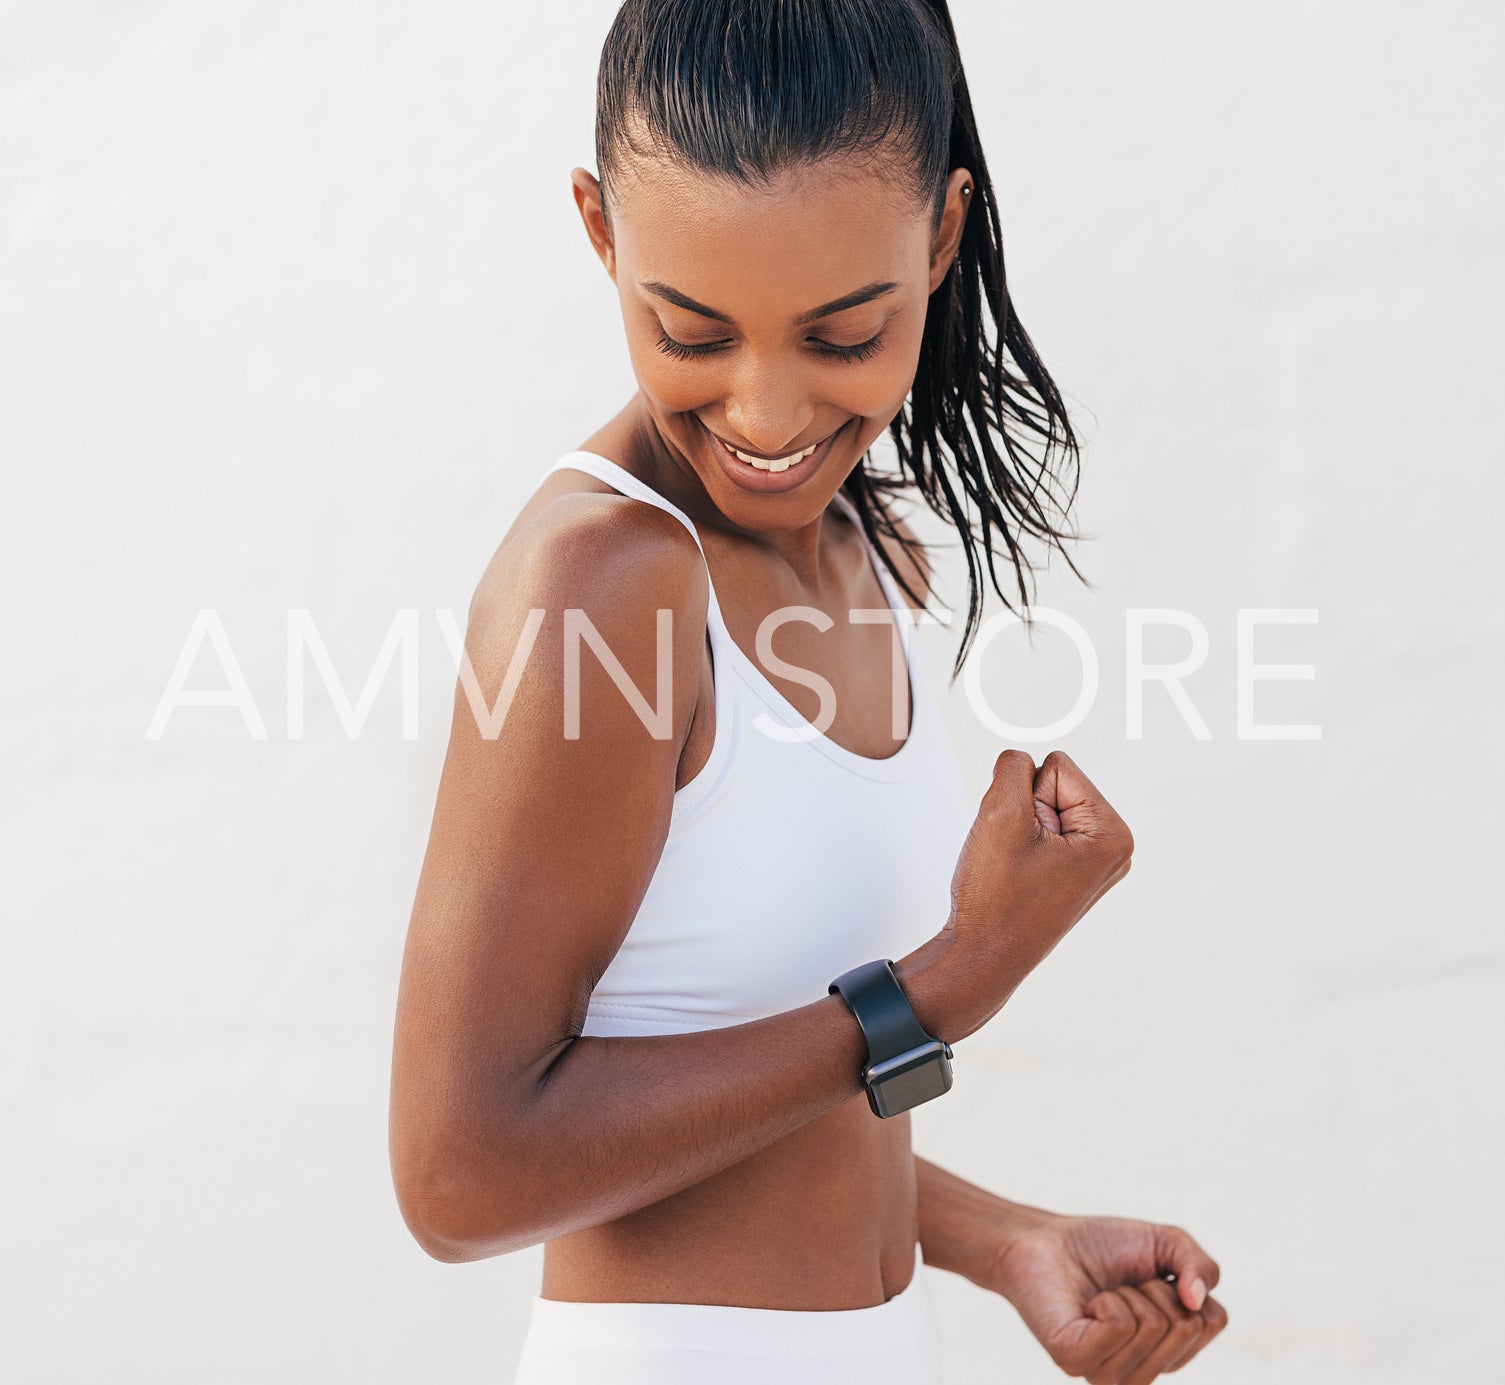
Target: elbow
(456,1217)
(472,1185)
(433,1208)
(437,1245)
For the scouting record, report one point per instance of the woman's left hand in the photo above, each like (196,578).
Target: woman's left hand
(1092,1290)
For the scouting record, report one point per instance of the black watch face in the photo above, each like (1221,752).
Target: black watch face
(902,1083)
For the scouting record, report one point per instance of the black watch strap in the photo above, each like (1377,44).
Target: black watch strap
(872,992)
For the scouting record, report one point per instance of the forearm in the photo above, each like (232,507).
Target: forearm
(964,1228)
(619,1123)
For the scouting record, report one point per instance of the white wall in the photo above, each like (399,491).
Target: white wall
(293,310)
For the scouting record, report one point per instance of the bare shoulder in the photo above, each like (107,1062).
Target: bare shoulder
(598,567)
(605,553)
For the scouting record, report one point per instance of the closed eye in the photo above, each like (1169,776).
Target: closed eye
(687,351)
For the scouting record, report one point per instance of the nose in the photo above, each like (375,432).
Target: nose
(770,409)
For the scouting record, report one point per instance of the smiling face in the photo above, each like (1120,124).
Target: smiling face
(774,331)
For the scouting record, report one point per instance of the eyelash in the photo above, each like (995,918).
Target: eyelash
(684,351)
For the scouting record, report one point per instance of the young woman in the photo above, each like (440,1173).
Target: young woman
(678,904)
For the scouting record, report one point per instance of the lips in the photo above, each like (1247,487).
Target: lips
(771,463)
(770,474)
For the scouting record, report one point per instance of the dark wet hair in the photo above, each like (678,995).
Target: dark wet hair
(746,88)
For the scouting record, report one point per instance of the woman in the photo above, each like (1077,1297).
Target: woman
(622,1028)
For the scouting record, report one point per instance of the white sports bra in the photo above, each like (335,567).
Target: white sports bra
(787,860)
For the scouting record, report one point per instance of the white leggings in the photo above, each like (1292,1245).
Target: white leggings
(893,1343)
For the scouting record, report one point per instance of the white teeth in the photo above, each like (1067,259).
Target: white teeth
(778,463)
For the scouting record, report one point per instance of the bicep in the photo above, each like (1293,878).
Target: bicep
(542,845)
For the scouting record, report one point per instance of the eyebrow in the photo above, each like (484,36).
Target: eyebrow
(837,305)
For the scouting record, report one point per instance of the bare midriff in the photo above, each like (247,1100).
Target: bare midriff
(824,1218)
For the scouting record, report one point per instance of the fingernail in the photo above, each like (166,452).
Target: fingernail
(1198,1293)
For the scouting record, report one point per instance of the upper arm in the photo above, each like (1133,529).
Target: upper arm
(541,846)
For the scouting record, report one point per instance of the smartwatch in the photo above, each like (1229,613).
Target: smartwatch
(905,1064)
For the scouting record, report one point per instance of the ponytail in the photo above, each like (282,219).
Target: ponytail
(979,401)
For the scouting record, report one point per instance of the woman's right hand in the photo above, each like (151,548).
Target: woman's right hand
(1044,848)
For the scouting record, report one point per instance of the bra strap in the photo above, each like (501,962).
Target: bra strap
(620,479)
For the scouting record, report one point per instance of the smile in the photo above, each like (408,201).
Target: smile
(772,475)
(770,463)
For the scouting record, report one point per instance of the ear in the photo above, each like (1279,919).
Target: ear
(589,200)
(961,188)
